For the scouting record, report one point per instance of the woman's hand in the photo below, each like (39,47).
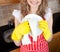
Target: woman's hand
(43,25)
(20,30)
(24,28)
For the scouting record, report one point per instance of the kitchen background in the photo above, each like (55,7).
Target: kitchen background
(6,11)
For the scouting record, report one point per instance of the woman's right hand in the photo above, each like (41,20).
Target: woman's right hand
(24,27)
(20,30)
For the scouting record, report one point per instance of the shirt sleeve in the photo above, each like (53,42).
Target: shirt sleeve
(17,14)
(48,14)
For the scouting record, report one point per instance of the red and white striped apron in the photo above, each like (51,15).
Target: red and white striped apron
(41,45)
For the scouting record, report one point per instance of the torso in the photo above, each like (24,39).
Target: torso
(19,17)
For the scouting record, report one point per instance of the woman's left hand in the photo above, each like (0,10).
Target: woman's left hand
(43,25)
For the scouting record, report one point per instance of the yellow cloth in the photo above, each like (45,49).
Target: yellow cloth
(43,25)
(20,30)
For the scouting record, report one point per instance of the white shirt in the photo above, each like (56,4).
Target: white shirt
(25,40)
(17,14)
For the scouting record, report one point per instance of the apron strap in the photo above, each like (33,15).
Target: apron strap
(44,18)
(30,37)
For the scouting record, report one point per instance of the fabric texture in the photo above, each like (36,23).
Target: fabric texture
(41,45)
(17,14)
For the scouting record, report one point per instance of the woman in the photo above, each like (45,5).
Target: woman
(40,8)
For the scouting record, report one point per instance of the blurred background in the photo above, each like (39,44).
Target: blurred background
(7,21)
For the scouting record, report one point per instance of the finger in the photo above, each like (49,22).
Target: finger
(43,24)
(43,21)
(44,27)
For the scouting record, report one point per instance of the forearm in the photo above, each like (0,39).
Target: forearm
(50,24)
(16,22)
(17,43)
(51,35)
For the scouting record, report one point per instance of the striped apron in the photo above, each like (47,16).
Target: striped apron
(41,45)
